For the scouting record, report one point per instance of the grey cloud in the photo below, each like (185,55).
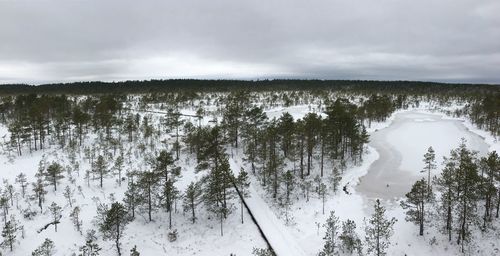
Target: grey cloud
(51,40)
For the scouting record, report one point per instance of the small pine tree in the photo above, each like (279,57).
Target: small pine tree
(9,234)
(90,248)
(4,204)
(55,211)
(349,239)
(39,190)
(218,191)
(170,194)
(113,223)
(75,218)
(23,182)
(323,192)
(132,197)
(134,252)
(335,179)
(68,194)
(430,164)
(378,231)
(192,198)
(100,168)
(53,174)
(119,167)
(331,236)
(415,203)
(242,183)
(47,248)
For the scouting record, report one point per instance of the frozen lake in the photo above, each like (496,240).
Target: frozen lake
(401,147)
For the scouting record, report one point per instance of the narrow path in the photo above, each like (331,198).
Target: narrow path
(275,233)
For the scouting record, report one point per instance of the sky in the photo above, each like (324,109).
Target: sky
(45,41)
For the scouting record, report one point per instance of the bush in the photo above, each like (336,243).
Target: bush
(172,236)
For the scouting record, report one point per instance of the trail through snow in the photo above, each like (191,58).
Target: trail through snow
(275,231)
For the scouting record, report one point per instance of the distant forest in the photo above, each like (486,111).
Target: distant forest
(151,86)
(482,101)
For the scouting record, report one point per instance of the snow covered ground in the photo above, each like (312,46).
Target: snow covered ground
(406,134)
(417,129)
(151,238)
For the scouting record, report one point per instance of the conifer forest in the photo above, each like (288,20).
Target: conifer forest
(233,167)
(249,128)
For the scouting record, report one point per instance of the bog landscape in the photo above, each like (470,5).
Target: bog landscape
(249,128)
(187,167)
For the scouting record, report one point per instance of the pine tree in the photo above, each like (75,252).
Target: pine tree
(55,211)
(430,164)
(90,248)
(132,197)
(312,125)
(119,167)
(192,198)
(148,184)
(323,192)
(446,185)
(130,126)
(4,204)
(47,248)
(9,192)
(255,120)
(75,218)
(331,236)
(174,121)
(349,239)
(134,252)
(415,203)
(39,190)
(68,194)
(379,231)
(23,182)
(113,224)
(170,194)
(335,179)
(289,181)
(53,174)
(242,184)
(490,166)
(164,166)
(468,191)
(100,168)
(9,235)
(286,128)
(218,184)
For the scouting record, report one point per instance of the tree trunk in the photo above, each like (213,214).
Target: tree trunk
(221,219)
(117,241)
(322,157)
(149,203)
(192,210)
(498,203)
(241,207)
(170,218)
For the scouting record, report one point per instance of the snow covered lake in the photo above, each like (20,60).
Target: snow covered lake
(401,147)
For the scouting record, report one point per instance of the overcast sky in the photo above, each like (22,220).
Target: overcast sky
(71,40)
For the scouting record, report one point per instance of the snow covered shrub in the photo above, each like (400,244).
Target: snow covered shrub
(29,214)
(172,236)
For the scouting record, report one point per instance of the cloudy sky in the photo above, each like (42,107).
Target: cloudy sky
(71,40)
